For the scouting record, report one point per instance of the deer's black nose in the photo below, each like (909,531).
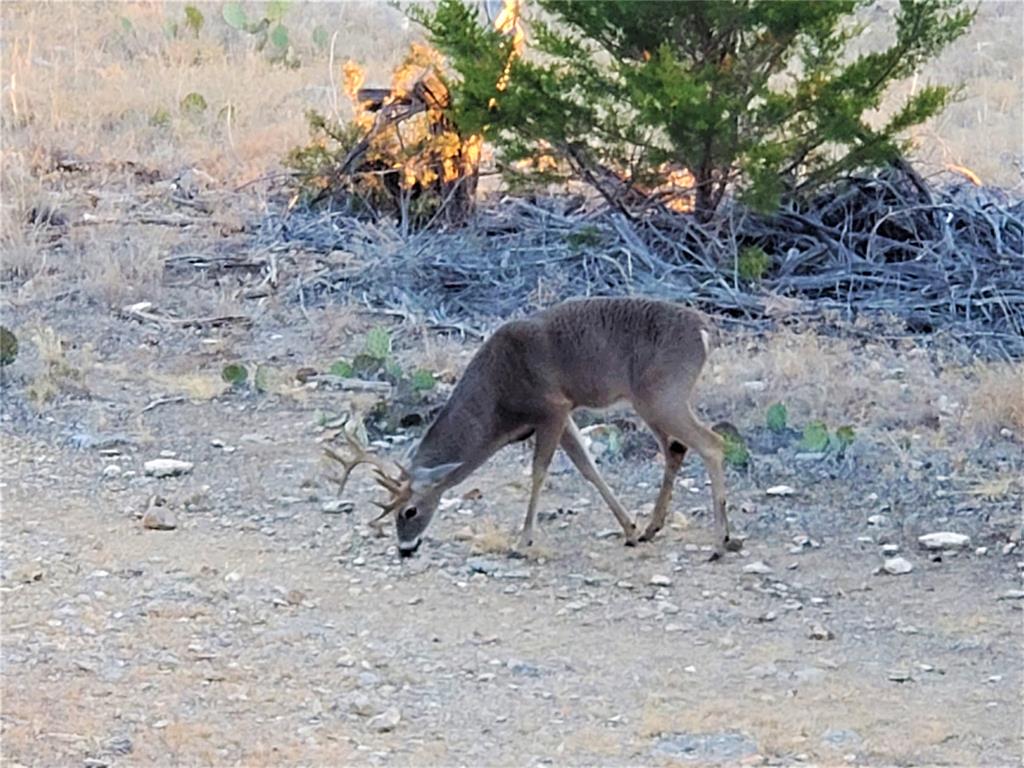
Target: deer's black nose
(408,550)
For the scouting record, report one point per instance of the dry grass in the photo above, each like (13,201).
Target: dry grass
(890,384)
(105,81)
(55,372)
(795,724)
(194,386)
(491,538)
(997,400)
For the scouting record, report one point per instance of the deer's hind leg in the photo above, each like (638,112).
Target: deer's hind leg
(674,453)
(674,417)
(572,444)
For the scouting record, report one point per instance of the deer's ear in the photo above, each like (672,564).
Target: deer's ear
(427,476)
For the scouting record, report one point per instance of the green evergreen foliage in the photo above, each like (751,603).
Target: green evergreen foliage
(761,96)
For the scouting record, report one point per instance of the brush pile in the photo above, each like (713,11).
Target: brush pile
(935,258)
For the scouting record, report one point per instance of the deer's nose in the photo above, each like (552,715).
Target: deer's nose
(409,549)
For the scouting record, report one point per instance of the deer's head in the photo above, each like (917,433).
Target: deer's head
(413,493)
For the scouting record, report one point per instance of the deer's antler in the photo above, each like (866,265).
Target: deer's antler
(398,486)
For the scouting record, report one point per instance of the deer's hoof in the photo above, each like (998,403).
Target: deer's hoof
(733,545)
(715,555)
(648,535)
(522,547)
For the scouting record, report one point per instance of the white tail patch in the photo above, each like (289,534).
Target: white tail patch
(705,339)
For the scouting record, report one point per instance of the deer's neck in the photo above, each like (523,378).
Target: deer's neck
(465,432)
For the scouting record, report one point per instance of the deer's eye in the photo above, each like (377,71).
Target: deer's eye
(410,513)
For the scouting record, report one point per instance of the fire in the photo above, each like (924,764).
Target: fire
(510,22)
(678,186)
(422,146)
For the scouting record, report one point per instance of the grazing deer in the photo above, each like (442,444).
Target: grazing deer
(527,379)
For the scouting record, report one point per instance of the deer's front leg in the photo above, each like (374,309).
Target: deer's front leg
(547,437)
(573,445)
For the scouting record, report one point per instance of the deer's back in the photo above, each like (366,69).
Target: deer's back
(594,352)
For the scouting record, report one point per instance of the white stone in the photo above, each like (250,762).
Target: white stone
(758,567)
(337,507)
(159,518)
(943,540)
(659,580)
(780,490)
(167,467)
(386,721)
(897,566)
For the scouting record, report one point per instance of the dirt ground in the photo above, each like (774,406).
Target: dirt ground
(263,630)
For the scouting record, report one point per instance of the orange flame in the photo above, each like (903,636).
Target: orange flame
(679,185)
(422,148)
(510,22)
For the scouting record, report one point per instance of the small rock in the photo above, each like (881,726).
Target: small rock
(780,490)
(897,566)
(337,507)
(345,660)
(890,549)
(660,580)
(821,632)
(981,551)
(120,745)
(27,574)
(111,471)
(943,540)
(167,467)
(721,748)
(158,517)
(1008,548)
(767,617)
(841,738)
(809,456)
(361,705)
(758,567)
(522,668)
(386,721)
(482,565)
(900,675)
(1013,594)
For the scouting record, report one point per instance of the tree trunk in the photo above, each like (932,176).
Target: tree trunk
(704,199)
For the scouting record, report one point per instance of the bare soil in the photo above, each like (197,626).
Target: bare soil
(262,630)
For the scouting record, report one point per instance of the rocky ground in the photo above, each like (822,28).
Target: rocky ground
(244,619)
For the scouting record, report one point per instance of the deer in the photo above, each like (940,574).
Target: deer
(528,378)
